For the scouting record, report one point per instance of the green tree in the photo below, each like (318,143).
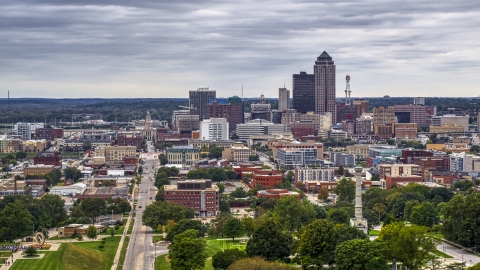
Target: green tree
(93,207)
(185,225)
(269,242)
(239,192)
(253,157)
(258,263)
(339,215)
(221,188)
(187,251)
(20,155)
(291,213)
(140,170)
(158,213)
(163,159)
(215,152)
(161,179)
(361,254)
(379,208)
(248,224)
(408,244)
(223,259)
(323,193)
(218,175)
(15,221)
(54,206)
(316,244)
(160,196)
(91,232)
(345,232)
(233,227)
(72,173)
(345,190)
(424,214)
(31,251)
(112,232)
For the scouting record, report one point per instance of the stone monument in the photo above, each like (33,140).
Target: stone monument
(359,221)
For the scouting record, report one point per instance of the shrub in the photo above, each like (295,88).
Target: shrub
(30,251)
(101,246)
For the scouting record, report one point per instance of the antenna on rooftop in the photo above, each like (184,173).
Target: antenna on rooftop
(242,90)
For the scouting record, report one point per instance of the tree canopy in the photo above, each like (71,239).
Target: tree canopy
(187,251)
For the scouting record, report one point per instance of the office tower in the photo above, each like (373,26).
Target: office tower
(198,100)
(361,106)
(214,129)
(324,70)
(303,92)
(283,99)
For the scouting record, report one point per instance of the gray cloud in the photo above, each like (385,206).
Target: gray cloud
(162,49)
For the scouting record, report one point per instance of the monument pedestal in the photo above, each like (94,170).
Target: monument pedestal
(360,224)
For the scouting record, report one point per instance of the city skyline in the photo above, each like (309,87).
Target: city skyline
(149,49)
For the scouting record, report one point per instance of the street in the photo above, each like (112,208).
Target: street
(141,251)
(459,254)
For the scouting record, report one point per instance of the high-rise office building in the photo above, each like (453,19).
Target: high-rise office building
(324,71)
(198,100)
(303,92)
(283,99)
(231,109)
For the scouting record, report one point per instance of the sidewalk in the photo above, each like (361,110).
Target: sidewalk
(122,240)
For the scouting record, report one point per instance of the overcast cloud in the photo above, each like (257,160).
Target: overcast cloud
(123,48)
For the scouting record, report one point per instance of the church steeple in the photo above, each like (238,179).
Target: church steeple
(148,121)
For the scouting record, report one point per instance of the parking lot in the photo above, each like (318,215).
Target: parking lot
(231,186)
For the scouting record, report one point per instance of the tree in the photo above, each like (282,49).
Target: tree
(93,207)
(424,214)
(346,232)
(223,259)
(221,188)
(163,159)
(323,193)
(112,232)
(91,232)
(316,244)
(224,205)
(379,208)
(361,254)
(140,170)
(54,206)
(291,213)
(345,190)
(239,192)
(72,173)
(187,251)
(215,152)
(339,215)
(218,175)
(253,157)
(161,179)
(269,242)
(408,244)
(20,155)
(184,225)
(15,221)
(160,196)
(233,227)
(340,170)
(248,224)
(158,213)
(31,251)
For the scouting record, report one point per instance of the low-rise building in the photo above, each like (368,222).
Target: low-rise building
(266,179)
(75,189)
(342,159)
(361,149)
(276,193)
(405,131)
(390,174)
(113,153)
(37,169)
(77,229)
(200,195)
(130,139)
(48,158)
(184,155)
(237,153)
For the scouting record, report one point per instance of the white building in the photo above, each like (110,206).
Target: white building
(25,129)
(258,127)
(214,129)
(75,189)
(451,119)
(462,162)
(283,99)
(314,174)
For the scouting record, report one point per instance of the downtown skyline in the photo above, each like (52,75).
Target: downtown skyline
(120,49)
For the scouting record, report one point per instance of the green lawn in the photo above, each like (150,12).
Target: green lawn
(119,231)
(130,227)
(74,256)
(373,232)
(29,154)
(156,238)
(442,255)
(51,260)
(123,252)
(213,246)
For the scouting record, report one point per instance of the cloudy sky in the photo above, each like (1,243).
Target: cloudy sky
(106,48)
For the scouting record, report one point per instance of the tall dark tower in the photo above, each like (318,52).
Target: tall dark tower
(324,72)
(303,92)
(198,100)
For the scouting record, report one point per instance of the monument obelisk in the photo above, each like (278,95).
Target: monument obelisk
(359,221)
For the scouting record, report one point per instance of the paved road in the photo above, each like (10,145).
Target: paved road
(140,251)
(459,254)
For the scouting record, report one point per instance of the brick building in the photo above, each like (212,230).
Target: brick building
(130,139)
(200,195)
(48,134)
(37,169)
(232,109)
(390,174)
(405,131)
(302,129)
(48,158)
(409,155)
(266,178)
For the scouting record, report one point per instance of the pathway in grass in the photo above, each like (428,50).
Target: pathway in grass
(123,252)
(51,260)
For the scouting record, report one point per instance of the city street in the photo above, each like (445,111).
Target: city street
(459,254)
(141,251)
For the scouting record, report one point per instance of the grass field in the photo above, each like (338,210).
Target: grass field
(156,238)
(74,256)
(442,255)
(373,232)
(213,246)
(130,227)
(123,253)
(119,231)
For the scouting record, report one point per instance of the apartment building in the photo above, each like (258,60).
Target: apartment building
(200,195)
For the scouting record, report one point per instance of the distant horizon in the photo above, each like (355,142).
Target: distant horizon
(338,97)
